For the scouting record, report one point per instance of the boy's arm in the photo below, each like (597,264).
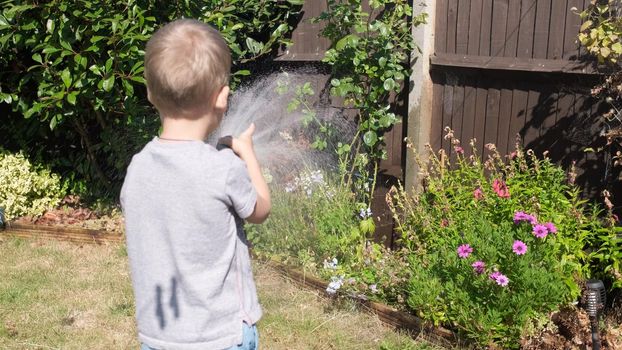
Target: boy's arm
(243,147)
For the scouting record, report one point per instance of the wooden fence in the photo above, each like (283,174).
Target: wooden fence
(500,69)
(503,68)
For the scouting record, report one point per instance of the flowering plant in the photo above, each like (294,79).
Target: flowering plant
(493,242)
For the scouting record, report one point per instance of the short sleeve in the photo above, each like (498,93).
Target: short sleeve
(240,190)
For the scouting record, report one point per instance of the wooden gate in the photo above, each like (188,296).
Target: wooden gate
(503,68)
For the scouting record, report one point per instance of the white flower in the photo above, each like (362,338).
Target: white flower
(332,264)
(334,285)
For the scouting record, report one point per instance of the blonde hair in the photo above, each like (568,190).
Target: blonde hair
(186,63)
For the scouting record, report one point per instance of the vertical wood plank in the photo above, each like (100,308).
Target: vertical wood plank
(479,125)
(531,131)
(468,115)
(458,111)
(440,37)
(556,29)
(499,24)
(503,126)
(526,30)
(573,24)
(436,129)
(492,114)
(541,32)
(519,111)
(475,26)
(452,23)
(512,28)
(485,30)
(462,27)
(448,104)
(563,116)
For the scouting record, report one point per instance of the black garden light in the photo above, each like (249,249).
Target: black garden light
(595,298)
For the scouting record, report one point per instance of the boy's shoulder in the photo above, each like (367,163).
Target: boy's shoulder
(199,153)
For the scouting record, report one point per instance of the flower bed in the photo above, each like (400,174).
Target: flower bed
(490,247)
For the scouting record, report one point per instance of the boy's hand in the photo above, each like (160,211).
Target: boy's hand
(241,145)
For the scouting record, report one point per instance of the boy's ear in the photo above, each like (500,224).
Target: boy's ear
(221,99)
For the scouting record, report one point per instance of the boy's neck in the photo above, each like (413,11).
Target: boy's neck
(186,129)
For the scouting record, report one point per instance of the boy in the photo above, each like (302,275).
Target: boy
(184,202)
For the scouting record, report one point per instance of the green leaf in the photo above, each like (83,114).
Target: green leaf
(296,2)
(108,65)
(370,138)
(49,26)
(585,25)
(65,45)
(71,97)
(37,58)
(138,79)
(242,72)
(253,45)
(127,87)
(292,105)
(108,84)
(54,121)
(389,84)
(347,41)
(617,48)
(66,76)
(367,226)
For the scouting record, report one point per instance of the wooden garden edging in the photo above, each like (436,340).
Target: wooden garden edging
(62,233)
(393,317)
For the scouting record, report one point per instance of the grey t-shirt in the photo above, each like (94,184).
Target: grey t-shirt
(188,253)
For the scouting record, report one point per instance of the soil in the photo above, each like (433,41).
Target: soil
(571,330)
(71,212)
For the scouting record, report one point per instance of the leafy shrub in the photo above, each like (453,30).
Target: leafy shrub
(71,72)
(369,58)
(26,189)
(494,244)
(312,219)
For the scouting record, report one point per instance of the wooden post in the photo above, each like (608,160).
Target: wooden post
(420,97)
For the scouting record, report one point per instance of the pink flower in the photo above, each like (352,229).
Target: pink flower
(494,275)
(540,231)
(532,219)
(502,280)
(551,227)
(459,149)
(519,247)
(478,194)
(464,251)
(500,188)
(521,216)
(499,278)
(479,267)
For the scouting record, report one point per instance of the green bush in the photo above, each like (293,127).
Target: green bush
(26,189)
(493,244)
(71,72)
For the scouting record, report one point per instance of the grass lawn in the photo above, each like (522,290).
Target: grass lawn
(56,295)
